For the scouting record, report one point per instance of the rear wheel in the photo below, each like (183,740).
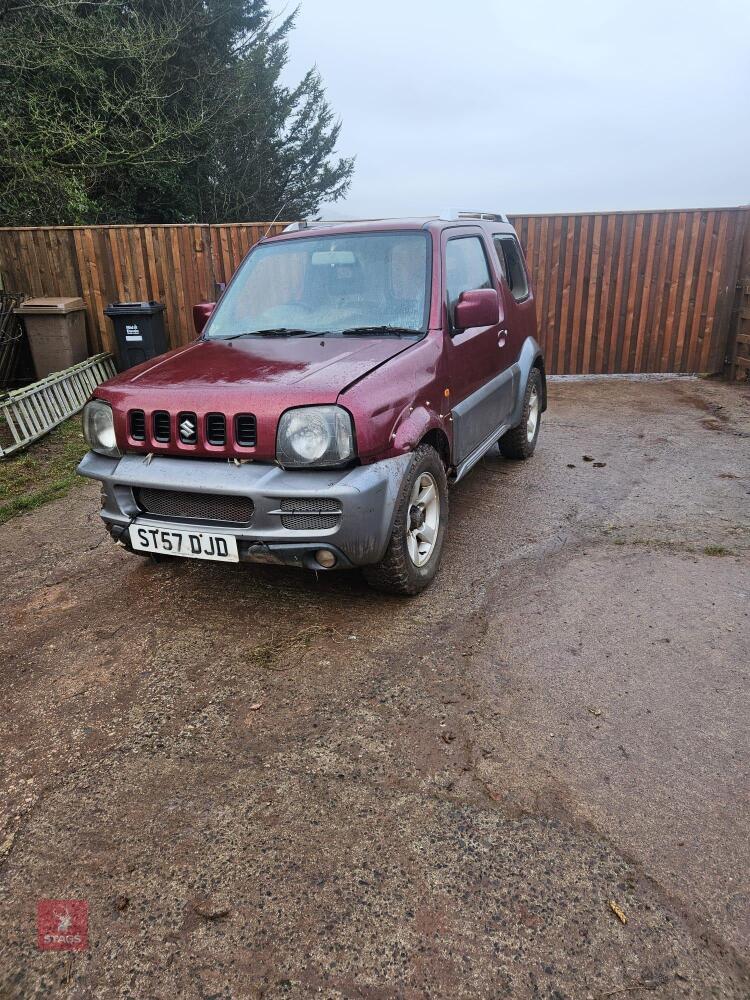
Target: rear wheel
(413,554)
(520,441)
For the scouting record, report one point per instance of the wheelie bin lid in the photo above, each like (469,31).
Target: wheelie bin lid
(50,304)
(134,308)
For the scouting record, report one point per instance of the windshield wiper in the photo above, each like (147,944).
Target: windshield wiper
(389,331)
(274,331)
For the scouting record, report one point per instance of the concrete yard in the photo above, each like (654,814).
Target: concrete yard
(268,784)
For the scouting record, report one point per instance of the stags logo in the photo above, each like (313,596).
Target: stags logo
(62,924)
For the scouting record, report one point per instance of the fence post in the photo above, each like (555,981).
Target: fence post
(209,250)
(737,356)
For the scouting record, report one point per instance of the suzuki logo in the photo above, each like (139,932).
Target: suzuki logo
(187,429)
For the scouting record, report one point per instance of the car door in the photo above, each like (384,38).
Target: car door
(520,311)
(478,364)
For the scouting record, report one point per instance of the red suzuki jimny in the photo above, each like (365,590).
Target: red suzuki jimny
(347,374)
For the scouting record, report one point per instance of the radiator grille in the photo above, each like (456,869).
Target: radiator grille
(245,429)
(310,514)
(216,428)
(161,426)
(138,425)
(195,506)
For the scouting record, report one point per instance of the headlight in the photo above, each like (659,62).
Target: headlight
(99,428)
(315,436)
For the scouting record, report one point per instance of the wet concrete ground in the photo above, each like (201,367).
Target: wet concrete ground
(271,785)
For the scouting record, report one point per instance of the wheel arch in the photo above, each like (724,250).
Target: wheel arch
(539,365)
(421,425)
(437,438)
(530,357)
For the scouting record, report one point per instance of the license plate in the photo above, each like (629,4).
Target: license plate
(178,540)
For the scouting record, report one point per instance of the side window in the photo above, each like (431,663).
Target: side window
(511,264)
(500,257)
(465,268)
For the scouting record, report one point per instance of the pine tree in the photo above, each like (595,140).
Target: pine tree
(158,111)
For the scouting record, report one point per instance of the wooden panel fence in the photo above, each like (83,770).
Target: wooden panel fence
(635,291)
(618,292)
(177,265)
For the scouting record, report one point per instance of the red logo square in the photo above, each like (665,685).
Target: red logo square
(62,924)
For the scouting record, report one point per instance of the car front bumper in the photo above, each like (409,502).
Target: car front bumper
(367,496)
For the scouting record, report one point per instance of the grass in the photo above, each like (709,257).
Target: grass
(667,544)
(672,545)
(45,471)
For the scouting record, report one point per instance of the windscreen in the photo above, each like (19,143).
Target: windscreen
(329,285)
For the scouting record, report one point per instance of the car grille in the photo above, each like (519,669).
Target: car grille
(195,506)
(310,515)
(161,426)
(138,425)
(214,429)
(245,429)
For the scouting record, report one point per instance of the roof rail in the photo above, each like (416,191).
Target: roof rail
(489,216)
(295,227)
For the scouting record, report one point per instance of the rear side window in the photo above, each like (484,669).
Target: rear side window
(511,264)
(466,268)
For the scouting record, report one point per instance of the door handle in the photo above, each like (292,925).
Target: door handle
(501,336)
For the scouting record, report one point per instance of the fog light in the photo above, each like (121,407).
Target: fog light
(325,558)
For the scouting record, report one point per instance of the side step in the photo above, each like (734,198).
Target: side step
(479,452)
(33,411)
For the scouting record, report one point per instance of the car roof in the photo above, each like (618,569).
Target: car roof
(434,224)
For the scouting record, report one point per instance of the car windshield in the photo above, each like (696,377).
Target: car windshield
(373,284)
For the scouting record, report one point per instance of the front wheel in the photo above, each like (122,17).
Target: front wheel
(413,554)
(520,441)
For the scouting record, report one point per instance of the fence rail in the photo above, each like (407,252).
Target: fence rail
(618,292)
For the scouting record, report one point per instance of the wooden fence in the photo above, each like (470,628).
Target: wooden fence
(177,265)
(738,350)
(635,291)
(619,292)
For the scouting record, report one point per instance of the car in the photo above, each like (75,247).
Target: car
(347,375)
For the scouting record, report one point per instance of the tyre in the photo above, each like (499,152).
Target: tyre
(520,441)
(413,554)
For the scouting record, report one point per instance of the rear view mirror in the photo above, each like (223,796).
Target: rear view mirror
(479,307)
(333,258)
(201,312)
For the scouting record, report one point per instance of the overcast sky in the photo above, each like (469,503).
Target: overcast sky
(534,106)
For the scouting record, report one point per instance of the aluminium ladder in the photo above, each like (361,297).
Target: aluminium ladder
(31,412)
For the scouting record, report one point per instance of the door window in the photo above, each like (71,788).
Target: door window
(511,264)
(466,268)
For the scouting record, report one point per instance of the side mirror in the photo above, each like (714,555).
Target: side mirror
(479,307)
(201,312)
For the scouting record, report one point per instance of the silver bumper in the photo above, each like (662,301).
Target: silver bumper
(367,495)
